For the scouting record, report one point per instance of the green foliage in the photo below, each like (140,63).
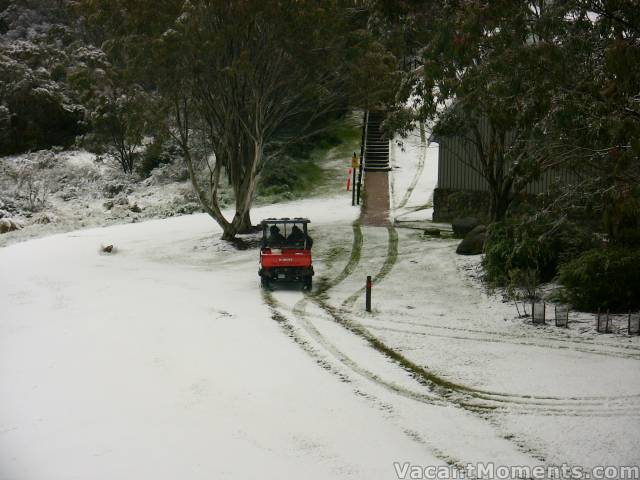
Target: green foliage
(540,245)
(604,278)
(558,83)
(297,171)
(287,178)
(38,108)
(234,77)
(120,120)
(160,151)
(303,148)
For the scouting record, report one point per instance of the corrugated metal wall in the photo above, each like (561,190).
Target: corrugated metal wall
(456,156)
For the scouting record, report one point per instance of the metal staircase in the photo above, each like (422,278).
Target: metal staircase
(376,148)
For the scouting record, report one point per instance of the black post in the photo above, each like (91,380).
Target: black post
(368,294)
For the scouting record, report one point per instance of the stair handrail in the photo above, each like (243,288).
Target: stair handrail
(363,150)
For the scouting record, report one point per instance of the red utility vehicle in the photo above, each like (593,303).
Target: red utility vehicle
(285,253)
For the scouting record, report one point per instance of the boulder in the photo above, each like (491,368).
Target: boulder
(135,208)
(473,243)
(432,232)
(9,225)
(462,226)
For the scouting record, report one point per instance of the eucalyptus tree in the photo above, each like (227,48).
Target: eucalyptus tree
(487,73)
(237,79)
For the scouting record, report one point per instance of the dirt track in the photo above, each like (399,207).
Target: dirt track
(375,211)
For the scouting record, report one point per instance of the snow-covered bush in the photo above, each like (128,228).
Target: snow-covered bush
(41,110)
(175,171)
(44,218)
(115,187)
(158,153)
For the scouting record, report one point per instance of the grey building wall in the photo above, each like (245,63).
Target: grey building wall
(457,157)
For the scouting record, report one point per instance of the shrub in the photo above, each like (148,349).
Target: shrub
(157,153)
(303,148)
(286,177)
(537,245)
(603,278)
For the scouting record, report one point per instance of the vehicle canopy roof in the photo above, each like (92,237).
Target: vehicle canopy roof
(284,221)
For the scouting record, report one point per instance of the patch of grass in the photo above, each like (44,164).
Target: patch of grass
(389,262)
(286,178)
(312,166)
(331,256)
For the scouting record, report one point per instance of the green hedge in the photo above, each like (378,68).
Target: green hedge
(605,278)
(539,245)
(287,178)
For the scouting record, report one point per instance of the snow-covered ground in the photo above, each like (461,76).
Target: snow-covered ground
(166,360)
(153,364)
(415,173)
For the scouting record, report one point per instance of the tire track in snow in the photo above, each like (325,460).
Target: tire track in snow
(514,340)
(435,380)
(483,410)
(496,400)
(421,163)
(354,260)
(493,401)
(389,262)
(291,331)
(477,399)
(576,341)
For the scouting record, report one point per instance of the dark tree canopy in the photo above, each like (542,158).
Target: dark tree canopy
(237,78)
(557,81)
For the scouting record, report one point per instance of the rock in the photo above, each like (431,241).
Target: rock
(9,225)
(4,213)
(108,204)
(107,248)
(432,232)
(5,225)
(462,226)
(135,208)
(473,243)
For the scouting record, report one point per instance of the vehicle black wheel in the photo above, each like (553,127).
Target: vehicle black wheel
(307,283)
(264,282)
